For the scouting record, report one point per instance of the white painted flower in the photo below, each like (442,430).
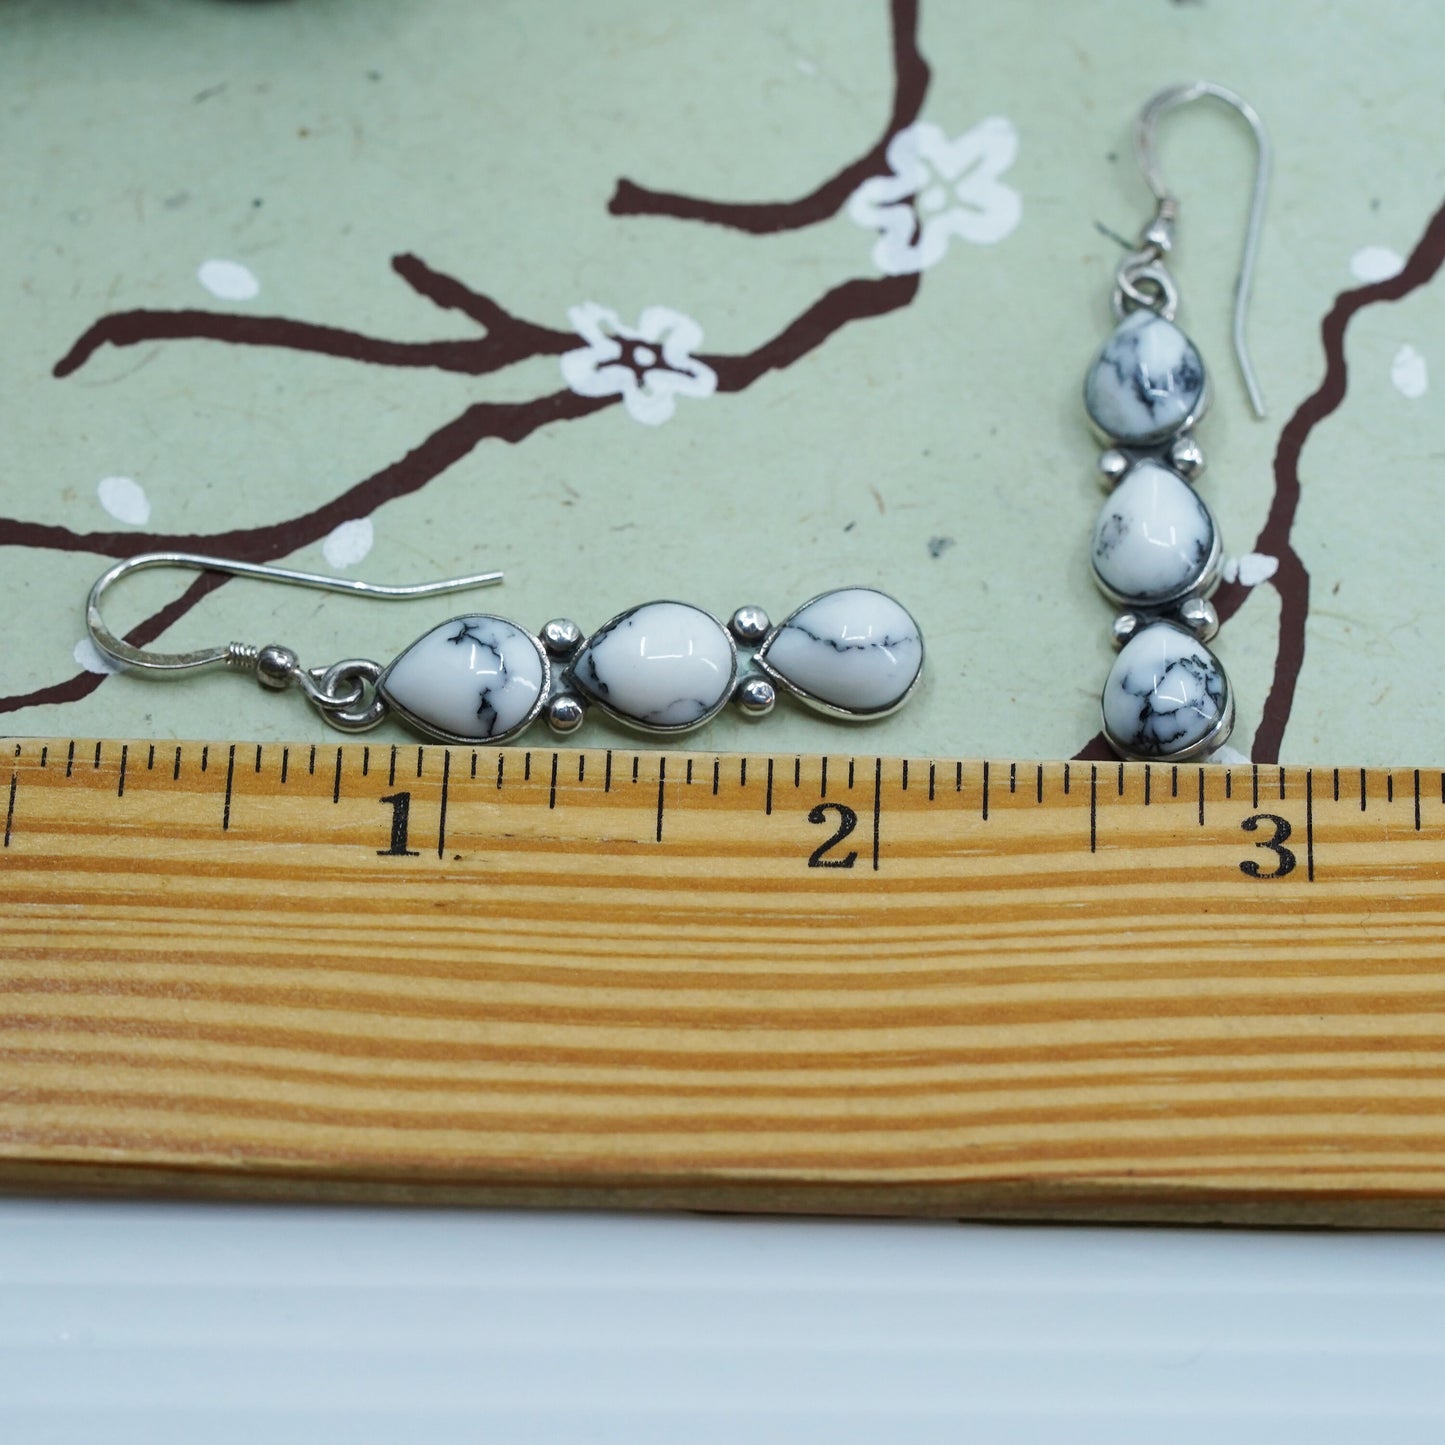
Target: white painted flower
(229,280)
(125,499)
(1410,373)
(939,189)
(649,366)
(347,543)
(1251,569)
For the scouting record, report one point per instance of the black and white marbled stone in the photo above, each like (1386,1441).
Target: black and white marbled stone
(1147,383)
(475,679)
(666,666)
(853,653)
(1166,697)
(1155,541)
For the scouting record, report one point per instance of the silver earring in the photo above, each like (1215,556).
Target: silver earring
(663,667)
(1156,547)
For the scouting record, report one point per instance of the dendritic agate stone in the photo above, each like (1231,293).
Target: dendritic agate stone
(665,665)
(1166,697)
(853,653)
(1147,383)
(1154,541)
(476,679)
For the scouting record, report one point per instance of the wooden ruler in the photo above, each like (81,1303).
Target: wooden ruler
(859,984)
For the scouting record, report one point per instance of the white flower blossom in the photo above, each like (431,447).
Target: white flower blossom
(649,366)
(938,189)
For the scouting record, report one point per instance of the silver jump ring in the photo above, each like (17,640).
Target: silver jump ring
(1149,287)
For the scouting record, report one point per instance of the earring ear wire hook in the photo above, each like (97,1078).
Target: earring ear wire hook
(1159,235)
(239,654)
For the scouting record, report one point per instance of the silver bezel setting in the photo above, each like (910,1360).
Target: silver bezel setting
(1216,737)
(1204,583)
(431,731)
(818,704)
(574,683)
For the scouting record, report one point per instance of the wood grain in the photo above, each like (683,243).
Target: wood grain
(1038,991)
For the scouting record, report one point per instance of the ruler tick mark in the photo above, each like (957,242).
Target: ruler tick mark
(798,772)
(716,770)
(687,779)
(10,806)
(1254,780)
(175,771)
(1039,783)
(877,806)
(851,761)
(45,752)
(1013,778)
(120,784)
(96,762)
(391,768)
(1336,774)
(552,786)
(768,796)
(230,776)
(905,775)
(1417,800)
(1148,775)
(311,762)
(501,768)
(150,758)
(930,781)
(634,767)
(527,768)
(1094,805)
(474,762)
(70,758)
(607,774)
(205,757)
(958,777)
(336,782)
(258,757)
(1281,785)
(1310,824)
(1362,790)
(582,769)
(1201,797)
(985,792)
(742,772)
(1389,787)
(442,821)
(661,793)
(420,757)
(1121,780)
(285,763)
(1066,780)
(1174,781)
(823,778)
(1229,782)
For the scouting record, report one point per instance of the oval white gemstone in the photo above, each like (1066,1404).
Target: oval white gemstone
(664,665)
(476,679)
(1154,537)
(1146,383)
(854,651)
(1166,695)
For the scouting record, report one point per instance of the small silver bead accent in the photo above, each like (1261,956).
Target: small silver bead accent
(275,666)
(1199,616)
(565,713)
(561,636)
(1186,456)
(749,624)
(1126,624)
(1112,466)
(755,696)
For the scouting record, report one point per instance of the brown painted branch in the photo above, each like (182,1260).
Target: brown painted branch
(507,342)
(765,217)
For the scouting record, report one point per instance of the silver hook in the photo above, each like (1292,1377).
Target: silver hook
(337,690)
(1158,236)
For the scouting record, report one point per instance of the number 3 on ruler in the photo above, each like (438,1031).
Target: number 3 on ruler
(1275,844)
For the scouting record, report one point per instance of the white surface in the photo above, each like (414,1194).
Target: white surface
(122,1323)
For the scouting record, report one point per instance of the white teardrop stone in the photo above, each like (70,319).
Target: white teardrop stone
(1147,382)
(854,651)
(1154,537)
(476,679)
(664,665)
(1166,696)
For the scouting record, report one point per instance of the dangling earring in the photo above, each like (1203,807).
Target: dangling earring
(663,667)
(1156,548)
